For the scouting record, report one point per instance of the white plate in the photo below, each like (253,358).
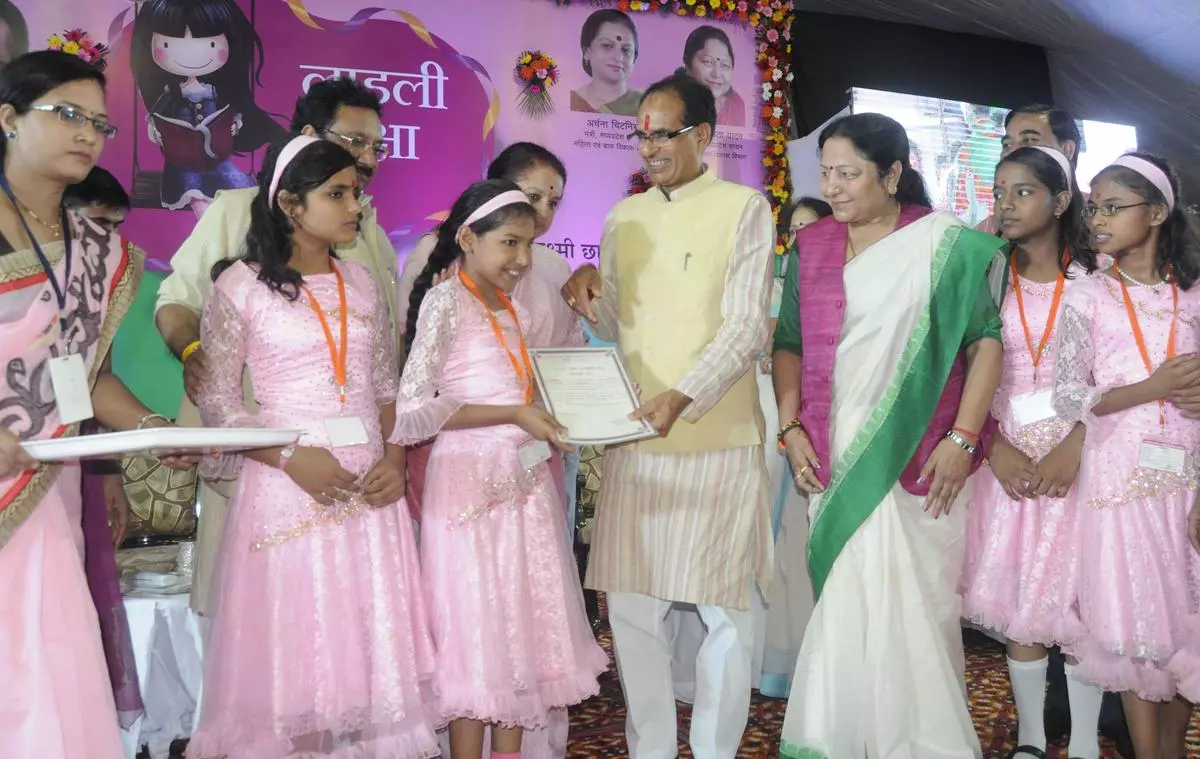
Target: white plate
(159,440)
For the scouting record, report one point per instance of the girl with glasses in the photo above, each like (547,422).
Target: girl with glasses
(1128,369)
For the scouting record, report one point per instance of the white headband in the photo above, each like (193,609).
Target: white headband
(286,156)
(1063,162)
(1152,173)
(507,198)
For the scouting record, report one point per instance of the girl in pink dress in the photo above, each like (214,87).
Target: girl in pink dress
(321,647)
(1019,575)
(65,285)
(551,324)
(1128,368)
(506,608)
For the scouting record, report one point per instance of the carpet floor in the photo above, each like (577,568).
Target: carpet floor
(598,726)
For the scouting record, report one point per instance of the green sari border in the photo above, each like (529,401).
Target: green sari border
(882,448)
(792,751)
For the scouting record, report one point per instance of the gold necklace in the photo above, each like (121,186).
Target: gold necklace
(54,229)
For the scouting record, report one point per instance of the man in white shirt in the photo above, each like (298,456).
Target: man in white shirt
(343,112)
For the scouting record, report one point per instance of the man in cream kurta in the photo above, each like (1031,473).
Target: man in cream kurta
(348,114)
(684,289)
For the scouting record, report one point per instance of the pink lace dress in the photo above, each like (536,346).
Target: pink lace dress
(322,643)
(1019,578)
(1139,578)
(506,608)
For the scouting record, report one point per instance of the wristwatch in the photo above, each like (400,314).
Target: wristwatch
(962,442)
(285,456)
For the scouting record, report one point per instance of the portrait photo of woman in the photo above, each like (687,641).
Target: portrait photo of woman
(608,41)
(708,58)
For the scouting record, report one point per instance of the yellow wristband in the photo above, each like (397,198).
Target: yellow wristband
(191,348)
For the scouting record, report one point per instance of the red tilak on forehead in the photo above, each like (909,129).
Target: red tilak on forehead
(619,38)
(646,123)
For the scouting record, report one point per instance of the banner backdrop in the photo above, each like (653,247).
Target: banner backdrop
(459,80)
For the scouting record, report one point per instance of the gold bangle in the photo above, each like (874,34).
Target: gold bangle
(191,348)
(141,425)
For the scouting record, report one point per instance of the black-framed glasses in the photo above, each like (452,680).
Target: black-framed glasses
(1112,209)
(659,137)
(359,146)
(72,115)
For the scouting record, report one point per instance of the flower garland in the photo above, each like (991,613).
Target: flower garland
(79,43)
(535,73)
(772,23)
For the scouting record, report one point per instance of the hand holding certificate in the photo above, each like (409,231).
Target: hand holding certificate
(589,392)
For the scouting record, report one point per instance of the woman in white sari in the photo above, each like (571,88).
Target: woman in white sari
(894,308)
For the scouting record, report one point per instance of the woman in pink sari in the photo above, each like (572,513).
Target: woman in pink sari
(65,284)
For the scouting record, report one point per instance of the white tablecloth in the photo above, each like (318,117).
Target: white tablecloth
(168,649)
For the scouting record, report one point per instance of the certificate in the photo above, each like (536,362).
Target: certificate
(589,392)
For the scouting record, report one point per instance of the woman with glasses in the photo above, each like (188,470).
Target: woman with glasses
(65,285)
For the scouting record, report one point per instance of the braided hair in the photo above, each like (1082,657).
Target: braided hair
(447,250)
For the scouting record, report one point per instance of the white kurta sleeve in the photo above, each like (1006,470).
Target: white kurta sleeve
(190,281)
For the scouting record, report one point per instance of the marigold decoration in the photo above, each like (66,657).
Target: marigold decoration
(535,73)
(79,43)
(772,24)
(639,182)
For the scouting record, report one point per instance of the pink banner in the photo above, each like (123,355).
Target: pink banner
(448,73)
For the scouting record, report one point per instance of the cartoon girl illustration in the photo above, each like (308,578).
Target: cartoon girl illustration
(194,62)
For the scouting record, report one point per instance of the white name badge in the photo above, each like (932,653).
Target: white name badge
(532,454)
(1162,457)
(69,379)
(1032,408)
(345,431)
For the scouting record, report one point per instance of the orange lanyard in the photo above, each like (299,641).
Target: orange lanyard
(338,358)
(523,368)
(1036,355)
(1141,340)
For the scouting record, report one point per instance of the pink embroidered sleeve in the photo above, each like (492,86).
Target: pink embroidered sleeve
(421,410)
(224,335)
(1075,394)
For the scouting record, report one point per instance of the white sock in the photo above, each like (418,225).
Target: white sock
(1029,691)
(1085,700)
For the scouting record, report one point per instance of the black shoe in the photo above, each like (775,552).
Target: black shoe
(1036,753)
(1058,724)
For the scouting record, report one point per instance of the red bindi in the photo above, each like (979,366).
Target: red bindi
(619,38)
